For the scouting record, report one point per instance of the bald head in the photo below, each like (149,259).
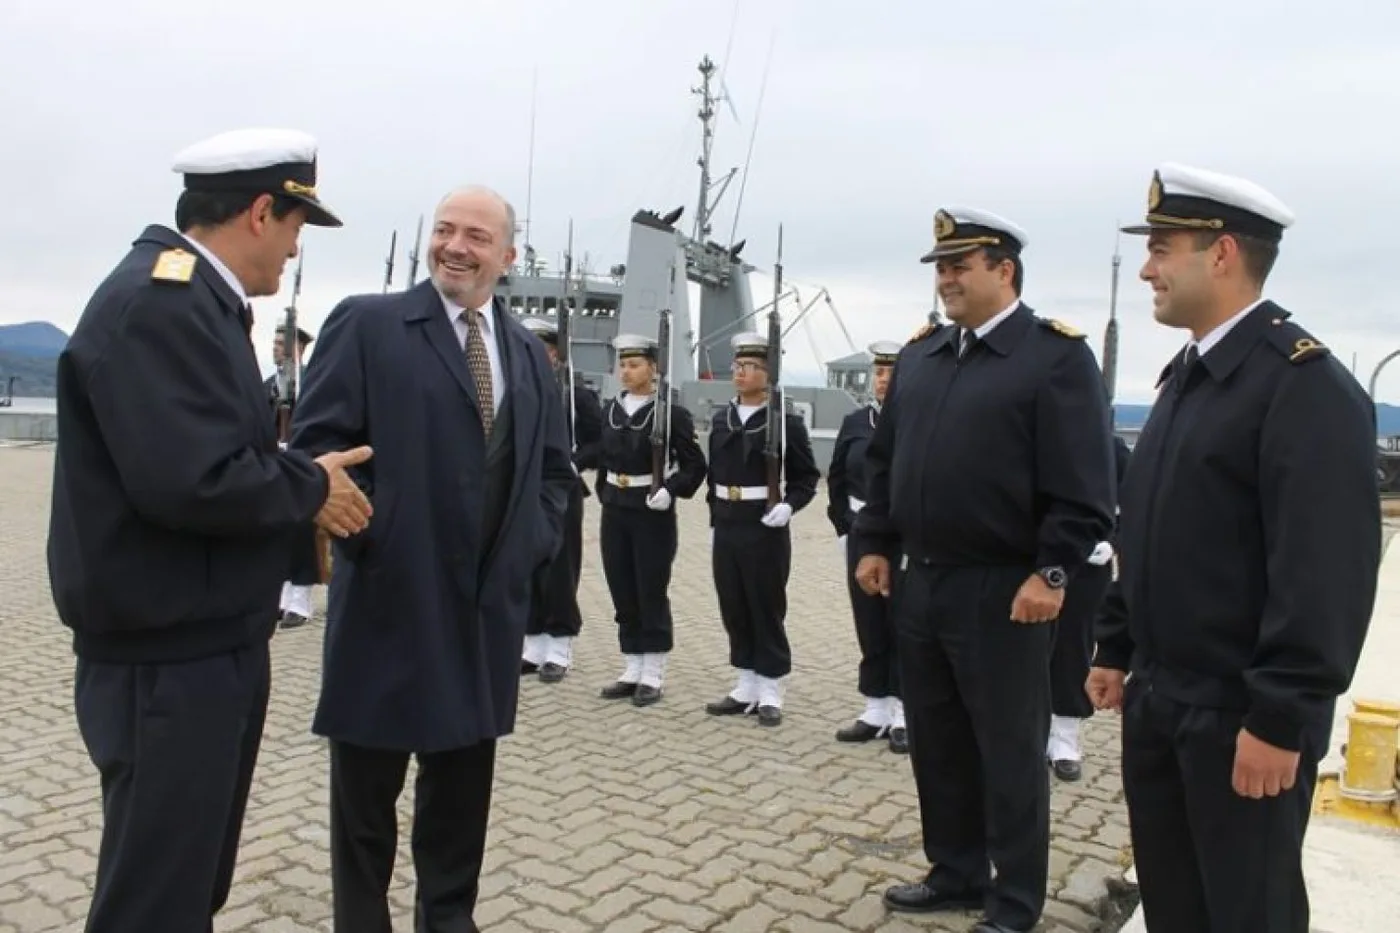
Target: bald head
(480,195)
(472,246)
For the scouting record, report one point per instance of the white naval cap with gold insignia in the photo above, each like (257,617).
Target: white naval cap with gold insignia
(260,161)
(1181,197)
(958,230)
(631,345)
(884,352)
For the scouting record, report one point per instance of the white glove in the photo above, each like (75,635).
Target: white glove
(1103,553)
(778,516)
(282,446)
(660,500)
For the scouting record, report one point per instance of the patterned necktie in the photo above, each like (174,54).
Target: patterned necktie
(480,365)
(967,338)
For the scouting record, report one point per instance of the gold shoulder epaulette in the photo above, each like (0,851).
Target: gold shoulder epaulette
(922,332)
(1296,344)
(1061,328)
(173,265)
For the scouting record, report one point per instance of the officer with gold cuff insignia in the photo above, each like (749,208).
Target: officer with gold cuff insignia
(991,471)
(173,524)
(1250,541)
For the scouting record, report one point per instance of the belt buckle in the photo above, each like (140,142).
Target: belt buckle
(623,481)
(735,494)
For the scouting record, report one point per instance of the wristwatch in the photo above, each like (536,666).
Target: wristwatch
(1054,577)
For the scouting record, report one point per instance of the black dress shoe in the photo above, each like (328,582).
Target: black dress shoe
(646,695)
(528,667)
(858,731)
(727,707)
(769,716)
(1067,770)
(899,741)
(292,620)
(921,898)
(620,690)
(552,673)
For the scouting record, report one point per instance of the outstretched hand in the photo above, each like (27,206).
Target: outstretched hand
(346,510)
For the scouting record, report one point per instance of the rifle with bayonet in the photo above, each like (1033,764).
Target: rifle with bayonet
(389,262)
(289,368)
(661,408)
(414,256)
(775,431)
(563,346)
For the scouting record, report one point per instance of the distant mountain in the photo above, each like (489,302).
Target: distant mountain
(29,351)
(1134,416)
(36,338)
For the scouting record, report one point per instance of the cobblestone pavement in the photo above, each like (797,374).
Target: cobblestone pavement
(605,817)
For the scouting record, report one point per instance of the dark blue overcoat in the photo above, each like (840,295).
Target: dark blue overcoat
(426,619)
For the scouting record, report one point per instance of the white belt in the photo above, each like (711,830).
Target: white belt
(741,493)
(856,504)
(626,481)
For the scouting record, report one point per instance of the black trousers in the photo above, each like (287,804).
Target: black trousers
(451,805)
(977,700)
(639,548)
(1074,641)
(1209,860)
(175,745)
(751,565)
(306,563)
(878,673)
(554,609)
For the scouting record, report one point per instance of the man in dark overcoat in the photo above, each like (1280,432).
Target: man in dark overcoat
(427,610)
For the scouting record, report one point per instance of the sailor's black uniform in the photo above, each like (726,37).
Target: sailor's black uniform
(751,561)
(555,610)
(878,672)
(638,543)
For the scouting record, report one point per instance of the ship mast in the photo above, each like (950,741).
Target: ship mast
(1110,332)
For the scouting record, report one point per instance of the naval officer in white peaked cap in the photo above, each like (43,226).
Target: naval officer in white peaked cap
(989,474)
(1250,544)
(173,523)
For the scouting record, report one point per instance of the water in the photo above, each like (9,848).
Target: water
(33,406)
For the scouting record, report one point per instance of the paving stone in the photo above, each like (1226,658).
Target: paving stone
(605,816)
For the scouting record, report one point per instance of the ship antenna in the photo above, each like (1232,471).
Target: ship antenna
(753,133)
(530,163)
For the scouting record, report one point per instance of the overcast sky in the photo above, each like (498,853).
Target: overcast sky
(1050,113)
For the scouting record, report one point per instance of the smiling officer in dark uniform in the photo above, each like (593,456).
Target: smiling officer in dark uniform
(1250,545)
(991,469)
(172,524)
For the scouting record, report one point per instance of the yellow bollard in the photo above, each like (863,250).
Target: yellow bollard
(1379,708)
(1371,749)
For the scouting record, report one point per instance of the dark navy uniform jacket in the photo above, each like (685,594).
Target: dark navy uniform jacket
(1250,533)
(845,478)
(426,615)
(588,430)
(173,512)
(1002,458)
(737,462)
(625,449)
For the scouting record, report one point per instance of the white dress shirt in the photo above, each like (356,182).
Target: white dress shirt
(1218,334)
(220,268)
(489,336)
